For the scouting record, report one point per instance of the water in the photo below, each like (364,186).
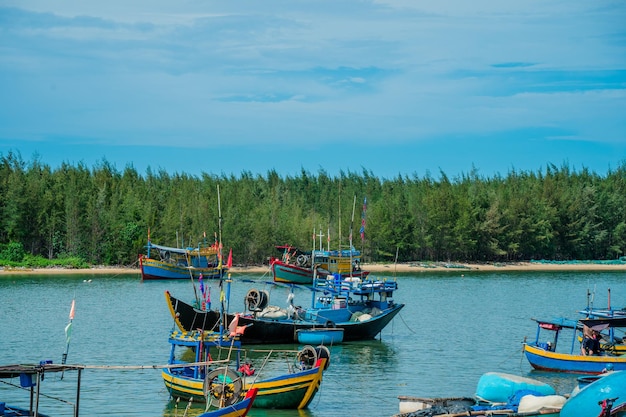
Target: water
(455,327)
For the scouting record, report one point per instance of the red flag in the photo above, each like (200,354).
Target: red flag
(72,309)
(229,262)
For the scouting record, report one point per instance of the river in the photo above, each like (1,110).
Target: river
(456,326)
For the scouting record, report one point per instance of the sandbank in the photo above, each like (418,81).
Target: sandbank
(373,267)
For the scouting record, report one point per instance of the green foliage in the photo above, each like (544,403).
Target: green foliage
(78,216)
(12,252)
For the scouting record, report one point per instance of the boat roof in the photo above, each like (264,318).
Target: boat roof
(561,322)
(606,321)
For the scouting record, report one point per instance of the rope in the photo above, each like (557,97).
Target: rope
(407,326)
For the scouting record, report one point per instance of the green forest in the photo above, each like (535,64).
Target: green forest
(102,216)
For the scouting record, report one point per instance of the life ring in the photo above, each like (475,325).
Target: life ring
(301,260)
(256,300)
(222,387)
(307,357)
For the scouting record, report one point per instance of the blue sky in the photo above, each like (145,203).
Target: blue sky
(394,87)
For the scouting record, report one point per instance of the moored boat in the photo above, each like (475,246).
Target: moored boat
(165,262)
(218,383)
(362,309)
(544,355)
(297,267)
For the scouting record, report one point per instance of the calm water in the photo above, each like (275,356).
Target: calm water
(455,327)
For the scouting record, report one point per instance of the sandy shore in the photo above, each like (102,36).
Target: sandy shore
(374,268)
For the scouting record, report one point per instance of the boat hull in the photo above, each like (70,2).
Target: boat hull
(152,269)
(290,391)
(262,331)
(239,409)
(563,362)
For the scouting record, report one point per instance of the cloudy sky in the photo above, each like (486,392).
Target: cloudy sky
(395,87)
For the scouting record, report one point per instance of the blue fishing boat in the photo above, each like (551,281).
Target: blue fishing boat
(361,308)
(594,398)
(542,353)
(320,336)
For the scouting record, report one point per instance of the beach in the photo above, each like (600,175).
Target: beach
(402,268)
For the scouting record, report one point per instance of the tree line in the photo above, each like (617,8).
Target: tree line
(102,215)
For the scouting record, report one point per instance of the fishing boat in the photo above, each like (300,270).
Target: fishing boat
(609,390)
(542,353)
(296,266)
(239,409)
(613,342)
(361,308)
(496,394)
(165,262)
(320,336)
(31,378)
(217,382)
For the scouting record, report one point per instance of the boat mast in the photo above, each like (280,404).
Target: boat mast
(351,227)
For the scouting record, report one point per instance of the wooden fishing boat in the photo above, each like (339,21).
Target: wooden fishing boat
(31,378)
(320,336)
(165,262)
(496,394)
(543,355)
(219,383)
(588,401)
(362,309)
(239,409)
(296,266)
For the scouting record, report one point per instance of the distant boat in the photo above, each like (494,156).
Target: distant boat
(165,262)
(320,336)
(296,266)
(543,355)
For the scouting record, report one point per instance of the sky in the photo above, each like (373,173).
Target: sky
(391,87)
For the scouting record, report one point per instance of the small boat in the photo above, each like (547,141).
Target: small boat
(218,382)
(361,308)
(239,409)
(543,355)
(593,398)
(320,336)
(496,394)
(165,262)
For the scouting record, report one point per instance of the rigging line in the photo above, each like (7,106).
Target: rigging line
(41,393)
(407,326)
